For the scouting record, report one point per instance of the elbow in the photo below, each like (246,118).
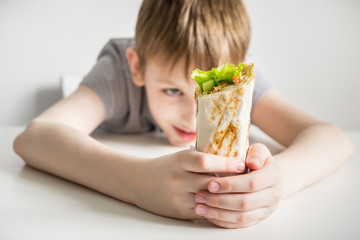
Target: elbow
(343,141)
(351,148)
(17,144)
(22,143)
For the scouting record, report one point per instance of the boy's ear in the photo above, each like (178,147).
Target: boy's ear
(133,60)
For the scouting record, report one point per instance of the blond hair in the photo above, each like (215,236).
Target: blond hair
(205,32)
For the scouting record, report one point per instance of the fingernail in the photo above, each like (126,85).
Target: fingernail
(201,211)
(255,161)
(200,199)
(214,187)
(240,166)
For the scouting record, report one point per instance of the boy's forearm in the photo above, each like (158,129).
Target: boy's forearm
(315,153)
(73,155)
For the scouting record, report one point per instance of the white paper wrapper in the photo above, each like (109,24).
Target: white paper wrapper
(223,118)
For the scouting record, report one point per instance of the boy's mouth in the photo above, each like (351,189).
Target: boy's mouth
(185,134)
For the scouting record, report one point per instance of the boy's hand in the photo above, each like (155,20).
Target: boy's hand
(243,200)
(167,185)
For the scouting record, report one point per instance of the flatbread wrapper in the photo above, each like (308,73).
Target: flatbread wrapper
(223,118)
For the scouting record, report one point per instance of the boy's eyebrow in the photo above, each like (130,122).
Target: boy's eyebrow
(165,80)
(168,80)
(161,79)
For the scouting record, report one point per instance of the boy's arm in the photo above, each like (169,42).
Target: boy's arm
(58,142)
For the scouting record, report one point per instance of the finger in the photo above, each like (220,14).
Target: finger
(197,181)
(209,163)
(241,201)
(256,156)
(187,209)
(250,182)
(230,225)
(237,217)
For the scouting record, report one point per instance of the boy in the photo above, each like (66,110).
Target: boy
(147,87)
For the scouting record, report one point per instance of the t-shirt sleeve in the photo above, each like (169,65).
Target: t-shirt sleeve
(103,78)
(262,84)
(126,108)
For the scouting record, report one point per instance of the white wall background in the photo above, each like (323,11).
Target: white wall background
(310,49)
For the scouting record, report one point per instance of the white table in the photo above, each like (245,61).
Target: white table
(36,205)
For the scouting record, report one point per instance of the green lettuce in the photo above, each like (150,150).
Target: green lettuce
(204,76)
(207,80)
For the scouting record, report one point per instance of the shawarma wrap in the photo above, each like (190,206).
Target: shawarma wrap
(223,100)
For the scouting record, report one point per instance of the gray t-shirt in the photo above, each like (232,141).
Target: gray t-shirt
(126,105)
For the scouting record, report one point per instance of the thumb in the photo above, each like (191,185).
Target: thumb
(256,156)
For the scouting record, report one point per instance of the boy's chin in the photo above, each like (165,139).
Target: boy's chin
(178,143)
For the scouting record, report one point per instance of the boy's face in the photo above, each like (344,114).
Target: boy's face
(171,100)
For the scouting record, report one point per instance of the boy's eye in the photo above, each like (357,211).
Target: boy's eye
(172,91)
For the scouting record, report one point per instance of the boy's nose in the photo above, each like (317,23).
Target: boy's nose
(189,113)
